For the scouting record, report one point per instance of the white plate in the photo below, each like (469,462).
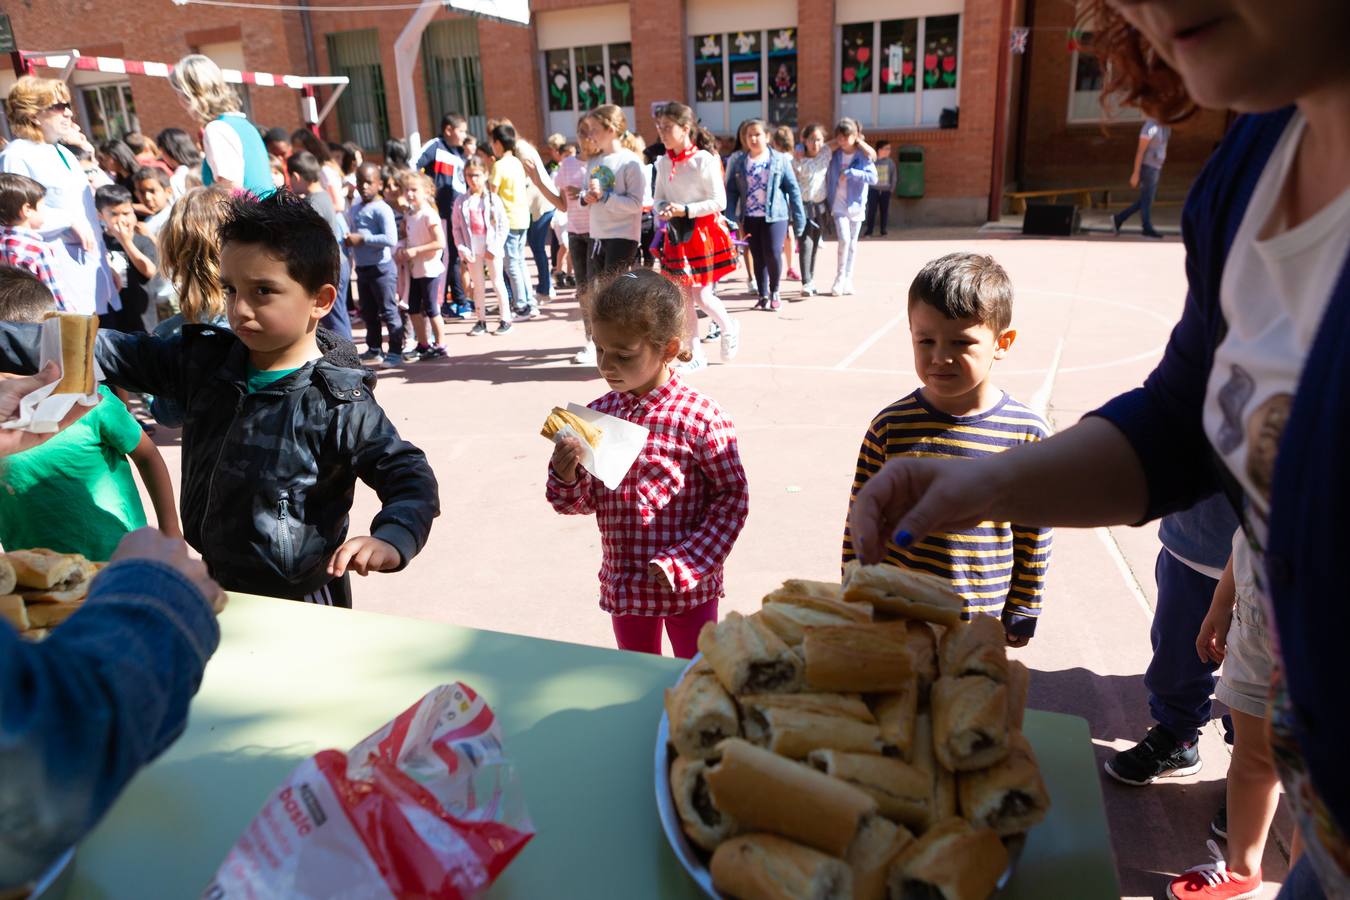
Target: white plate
(693,858)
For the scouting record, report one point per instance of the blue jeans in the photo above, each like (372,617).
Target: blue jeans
(1148,189)
(88,707)
(379,303)
(338,320)
(538,240)
(516,283)
(1301,883)
(1179,683)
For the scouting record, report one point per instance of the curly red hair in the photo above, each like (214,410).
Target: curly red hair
(1134,73)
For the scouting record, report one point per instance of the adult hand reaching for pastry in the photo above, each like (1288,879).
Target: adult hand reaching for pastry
(910,498)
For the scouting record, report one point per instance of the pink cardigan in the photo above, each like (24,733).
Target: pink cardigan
(495,221)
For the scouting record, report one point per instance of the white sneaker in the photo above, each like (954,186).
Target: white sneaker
(837,289)
(731,340)
(585,356)
(698,362)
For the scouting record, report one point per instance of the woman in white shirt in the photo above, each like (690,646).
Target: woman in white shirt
(40,115)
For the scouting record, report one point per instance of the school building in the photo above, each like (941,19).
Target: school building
(999,94)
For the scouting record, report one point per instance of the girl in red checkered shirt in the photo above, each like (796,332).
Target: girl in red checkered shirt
(668,527)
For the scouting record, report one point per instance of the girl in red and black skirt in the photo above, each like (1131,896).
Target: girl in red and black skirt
(690,196)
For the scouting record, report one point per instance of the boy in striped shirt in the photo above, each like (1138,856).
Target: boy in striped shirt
(960,318)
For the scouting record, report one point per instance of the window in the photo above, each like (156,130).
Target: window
(578,79)
(745,75)
(884,79)
(1085,90)
(454,78)
(362,115)
(110,110)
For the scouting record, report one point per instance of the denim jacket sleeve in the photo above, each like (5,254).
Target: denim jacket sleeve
(84,710)
(735,172)
(793,191)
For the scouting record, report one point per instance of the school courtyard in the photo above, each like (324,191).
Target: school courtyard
(1092,313)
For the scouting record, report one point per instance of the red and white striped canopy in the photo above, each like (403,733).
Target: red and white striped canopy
(160,70)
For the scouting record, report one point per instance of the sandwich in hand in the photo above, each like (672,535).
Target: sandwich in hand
(796,731)
(1008,797)
(874,849)
(748,657)
(903,793)
(907,593)
(970,722)
(78,334)
(895,713)
(763,791)
(766,867)
(703,822)
(701,713)
(868,658)
(977,647)
(952,861)
(560,417)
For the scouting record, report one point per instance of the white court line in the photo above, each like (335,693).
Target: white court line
(1040,401)
(1123,567)
(871,341)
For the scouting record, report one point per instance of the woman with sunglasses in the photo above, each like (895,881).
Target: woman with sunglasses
(41,117)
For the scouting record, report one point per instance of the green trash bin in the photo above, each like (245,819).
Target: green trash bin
(909,172)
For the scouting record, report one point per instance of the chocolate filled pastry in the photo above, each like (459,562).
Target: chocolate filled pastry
(908,593)
(46,570)
(895,713)
(922,641)
(794,731)
(703,822)
(790,620)
(1019,681)
(748,657)
(970,722)
(903,792)
(763,791)
(874,849)
(977,647)
(767,867)
(1010,796)
(848,705)
(952,861)
(701,713)
(869,658)
(944,804)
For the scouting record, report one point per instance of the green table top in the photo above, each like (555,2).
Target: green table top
(578,722)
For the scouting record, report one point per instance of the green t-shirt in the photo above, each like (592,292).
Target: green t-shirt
(75,492)
(259,379)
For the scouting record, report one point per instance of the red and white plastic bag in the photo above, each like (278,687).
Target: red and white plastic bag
(428,806)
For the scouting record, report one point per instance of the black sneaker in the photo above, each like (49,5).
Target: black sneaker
(371,354)
(503,328)
(1219,824)
(477,329)
(1158,755)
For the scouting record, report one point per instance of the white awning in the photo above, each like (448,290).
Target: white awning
(514,11)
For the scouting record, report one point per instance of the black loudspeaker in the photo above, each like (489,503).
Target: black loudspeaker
(1051,219)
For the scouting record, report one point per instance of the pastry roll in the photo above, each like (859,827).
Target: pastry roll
(1009,797)
(766,867)
(795,731)
(13,612)
(7,577)
(78,335)
(907,593)
(701,712)
(866,658)
(952,861)
(977,647)
(748,657)
(1019,680)
(903,793)
(874,849)
(970,722)
(702,821)
(763,791)
(560,417)
(49,615)
(848,705)
(825,590)
(944,782)
(45,570)
(895,713)
(923,648)
(790,620)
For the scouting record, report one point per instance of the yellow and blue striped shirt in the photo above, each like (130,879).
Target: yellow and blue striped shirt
(998,567)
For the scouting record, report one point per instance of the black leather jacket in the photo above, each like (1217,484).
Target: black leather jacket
(268,477)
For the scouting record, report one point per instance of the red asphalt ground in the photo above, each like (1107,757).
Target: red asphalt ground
(1092,314)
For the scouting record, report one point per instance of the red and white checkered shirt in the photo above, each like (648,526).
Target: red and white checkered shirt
(681,506)
(24,248)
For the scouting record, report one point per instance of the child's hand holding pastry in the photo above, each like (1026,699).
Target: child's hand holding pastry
(566,458)
(363,555)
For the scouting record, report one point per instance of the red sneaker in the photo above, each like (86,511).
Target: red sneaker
(1213,881)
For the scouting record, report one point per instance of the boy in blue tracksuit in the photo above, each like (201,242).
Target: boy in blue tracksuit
(374,235)
(443,160)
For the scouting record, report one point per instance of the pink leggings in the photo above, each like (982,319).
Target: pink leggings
(643,633)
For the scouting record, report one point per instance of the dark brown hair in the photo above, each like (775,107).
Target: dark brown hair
(641,302)
(23,296)
(965,286)
(1133,72)
(16,191)
(684,117)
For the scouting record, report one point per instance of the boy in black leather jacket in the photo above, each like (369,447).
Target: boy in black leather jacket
(280,418)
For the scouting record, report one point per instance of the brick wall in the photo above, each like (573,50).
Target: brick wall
(815,61)
(660,58)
